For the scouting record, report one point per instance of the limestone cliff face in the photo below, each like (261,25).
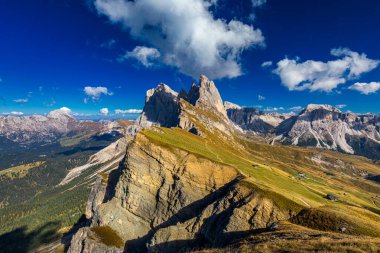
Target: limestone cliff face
(167,200)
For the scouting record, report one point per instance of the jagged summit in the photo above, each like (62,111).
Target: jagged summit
(206,96)
(165,107)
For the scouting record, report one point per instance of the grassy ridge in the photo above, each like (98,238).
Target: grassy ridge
(274,171)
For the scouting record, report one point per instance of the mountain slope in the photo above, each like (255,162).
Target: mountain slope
(203,183)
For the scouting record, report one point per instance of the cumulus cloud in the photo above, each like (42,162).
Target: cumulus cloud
(145,55)
(266,64)
(324,76)
(260,97)
(104,111)
(96,92)
(21,100)
(14,113)
(366,88)
(186,34)
(128,111)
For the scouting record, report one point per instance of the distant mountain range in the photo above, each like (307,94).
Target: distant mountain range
(321,126)
(59,123)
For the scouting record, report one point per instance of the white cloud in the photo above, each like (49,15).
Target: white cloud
(13,113)
(266,64)
(324,76)
(104,111)
(341,106)
(65,110)
(260,97)
(131,111)
(145,55)
(95,92)
(21,100)
(366,88)
(296,108)
(274,109)
(185,33)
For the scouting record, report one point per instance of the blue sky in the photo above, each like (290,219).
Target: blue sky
(51,50)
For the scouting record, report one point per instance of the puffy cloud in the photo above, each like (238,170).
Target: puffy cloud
(266,64)
(104,111)
(13,113)
(145,55)
(366,88)
(260,97)
(341,106)
(21,100)
(95,92)
(128,111)
(324,76)
(185,33)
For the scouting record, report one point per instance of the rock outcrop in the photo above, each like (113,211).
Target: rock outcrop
(166,200)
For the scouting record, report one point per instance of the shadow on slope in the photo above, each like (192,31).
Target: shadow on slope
(21,240)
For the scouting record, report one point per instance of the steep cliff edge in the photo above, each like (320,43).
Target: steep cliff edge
(168,199)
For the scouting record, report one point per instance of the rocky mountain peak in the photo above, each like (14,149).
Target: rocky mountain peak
(161,88)
(162,104)
(206,96)
(161,107)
